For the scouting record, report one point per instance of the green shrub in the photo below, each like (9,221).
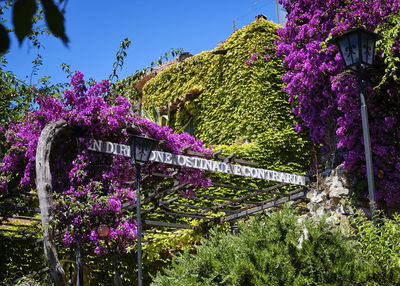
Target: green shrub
(380,244)
(277,249)
(21,257)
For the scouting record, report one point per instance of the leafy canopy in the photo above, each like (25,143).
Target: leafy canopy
(23,19)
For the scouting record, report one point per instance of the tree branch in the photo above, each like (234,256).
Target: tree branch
(45,193)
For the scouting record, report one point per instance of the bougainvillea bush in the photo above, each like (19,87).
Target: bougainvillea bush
(326,97)
(90,188)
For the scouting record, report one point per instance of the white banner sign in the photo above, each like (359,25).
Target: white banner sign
(201,163)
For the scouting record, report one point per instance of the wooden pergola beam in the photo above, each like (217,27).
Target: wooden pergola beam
(197,216)
(25,230)
(240,161)
(167,191)
(188,206)
(296,194)
(255,193)
(166,210)
(221,198)
(208,202)
(153,197)
(228,158)
(167,224)
(268,190)
(19,208)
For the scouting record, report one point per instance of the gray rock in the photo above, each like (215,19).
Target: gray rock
(320,211)
(337,190)
(318,197)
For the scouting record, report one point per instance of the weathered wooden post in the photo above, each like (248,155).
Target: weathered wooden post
(45,193)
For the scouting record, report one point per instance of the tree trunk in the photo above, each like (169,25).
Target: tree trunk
(45,192)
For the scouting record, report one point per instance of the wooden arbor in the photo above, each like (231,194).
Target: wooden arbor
(233,202)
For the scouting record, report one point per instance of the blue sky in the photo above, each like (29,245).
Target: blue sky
(96,28)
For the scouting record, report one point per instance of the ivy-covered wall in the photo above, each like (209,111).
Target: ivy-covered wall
(242,105)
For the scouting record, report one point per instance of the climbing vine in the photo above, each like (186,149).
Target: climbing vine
(237,102)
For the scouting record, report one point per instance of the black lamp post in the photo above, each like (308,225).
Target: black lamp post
(141,148)
(79,264)
(357,48)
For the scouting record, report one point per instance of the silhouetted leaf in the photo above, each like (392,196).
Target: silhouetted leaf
(54,20)
(23,11)
(4,40)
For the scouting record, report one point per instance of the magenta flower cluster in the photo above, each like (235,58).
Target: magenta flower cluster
(265,53)
(90,187)
(326,97)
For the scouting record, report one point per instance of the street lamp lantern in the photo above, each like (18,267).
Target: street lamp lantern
(141,148)
(357,48)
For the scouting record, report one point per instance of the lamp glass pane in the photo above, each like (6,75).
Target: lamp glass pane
(354,44)
(142,153)
(133,153)
(368,46)
(141,148)
(348,49)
